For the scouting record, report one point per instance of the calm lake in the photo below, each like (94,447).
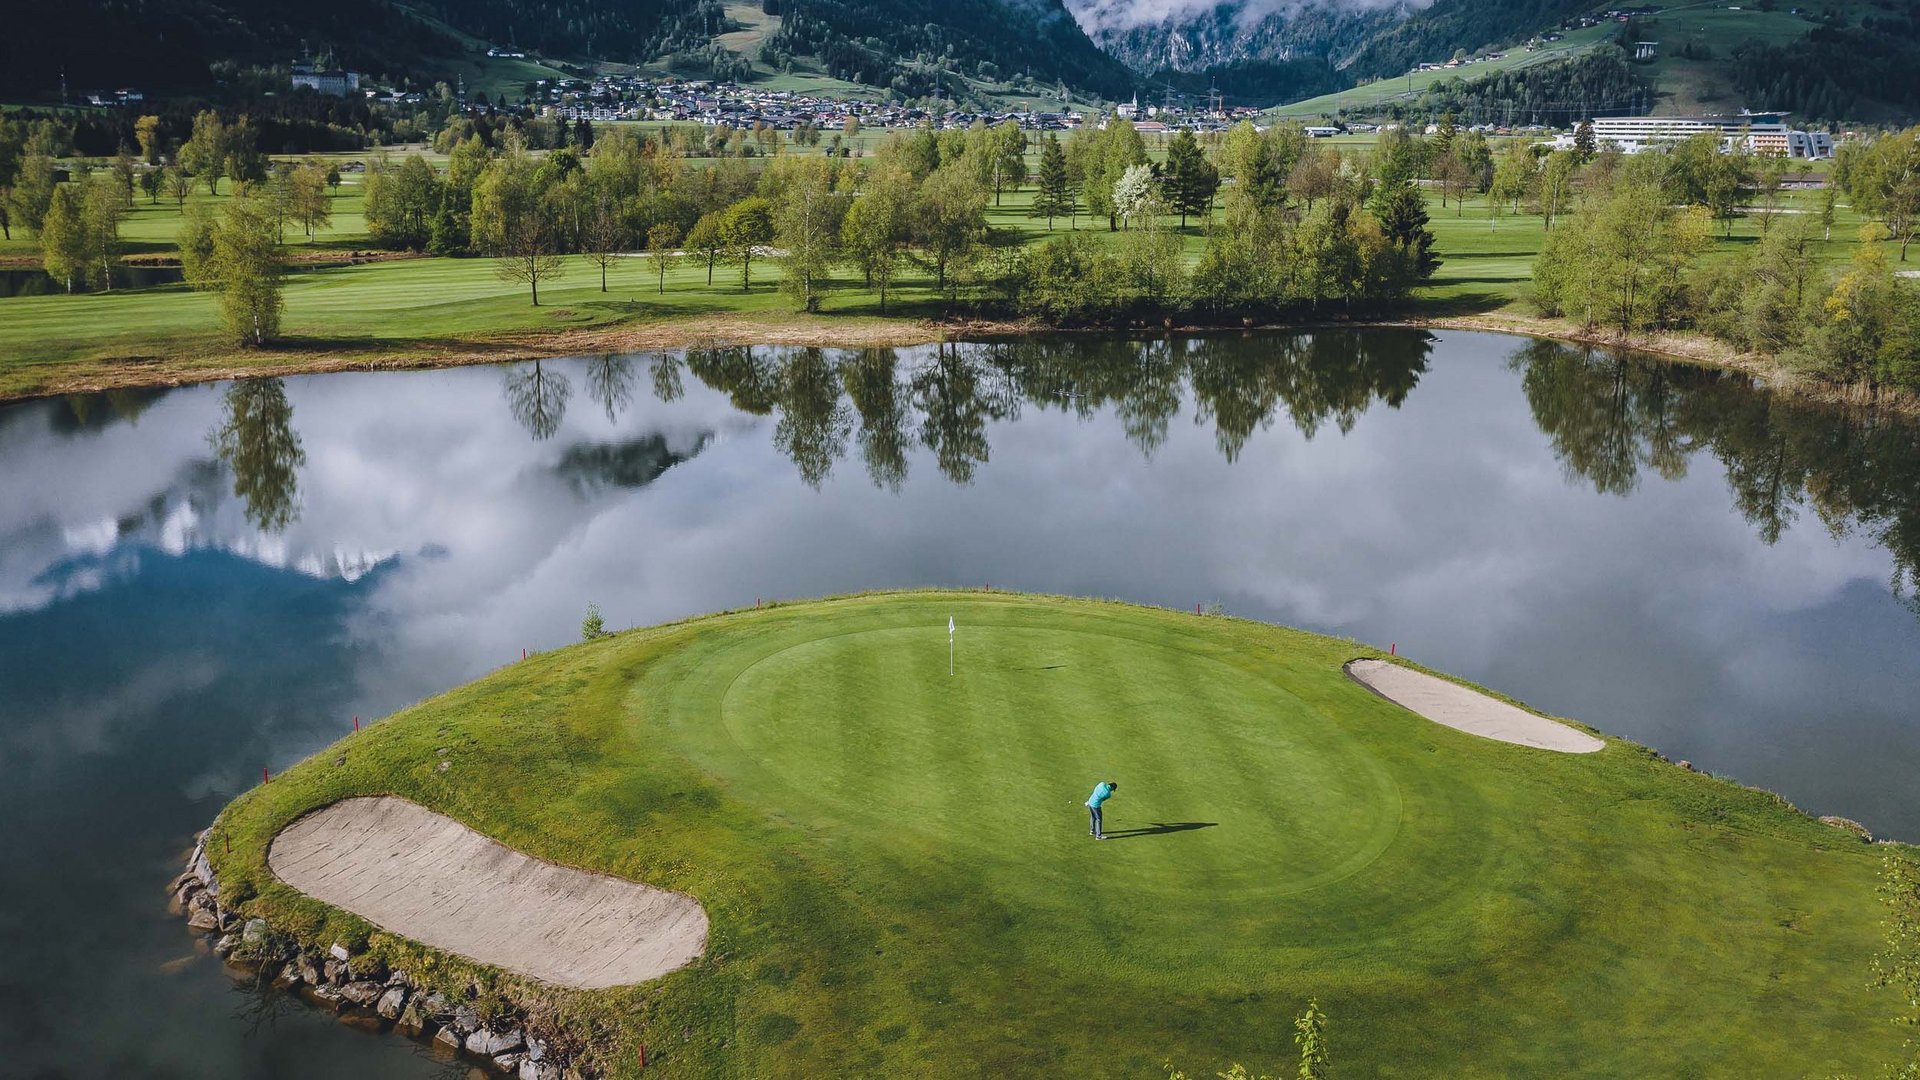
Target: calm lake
(199,583)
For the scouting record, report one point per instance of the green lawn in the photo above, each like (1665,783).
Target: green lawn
(900,882)
(1409,86)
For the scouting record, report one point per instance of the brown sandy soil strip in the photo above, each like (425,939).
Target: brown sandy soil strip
(425,876)
(1467,710)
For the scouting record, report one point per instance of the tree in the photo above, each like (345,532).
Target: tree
(1829,203)
(63,235)
(1729,186)
(151,181)
(745,227)
(706,238)
(146,131)
(603,225)
(100,223)
(513,223)
(1191,180)
(1007,148)
(807,224)
(1768,179)
(238,258)
(123,174)
(1884,183)
(950,219)
(401,202)
(1556,186)
(32,194)
(1402,214)
(179,185)
(1584,142)
(1055,197)
(1132,192)
(661,238)
(593,627)
(1310,1035)
(307,198)
(1512,177)
(204,154)
(878,226)
(1151,253)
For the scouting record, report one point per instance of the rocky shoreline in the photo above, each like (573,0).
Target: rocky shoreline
(361,991)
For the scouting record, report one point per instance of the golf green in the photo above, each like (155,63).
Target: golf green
(900,881)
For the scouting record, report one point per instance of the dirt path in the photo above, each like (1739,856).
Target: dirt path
(423,875)
(1467,710)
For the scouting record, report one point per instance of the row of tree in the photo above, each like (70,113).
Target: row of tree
(1631,258)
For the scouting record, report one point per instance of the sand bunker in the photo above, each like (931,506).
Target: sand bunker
(423,875)
(1467,710)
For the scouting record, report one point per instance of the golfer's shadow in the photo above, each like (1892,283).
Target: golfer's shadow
(1161,828)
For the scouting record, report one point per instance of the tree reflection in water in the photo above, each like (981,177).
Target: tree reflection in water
(256,442)
(1610,415)
(538,397)
(610,383)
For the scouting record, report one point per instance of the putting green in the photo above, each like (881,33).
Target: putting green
(899,879)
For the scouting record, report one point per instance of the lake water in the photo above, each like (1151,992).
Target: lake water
(199,583)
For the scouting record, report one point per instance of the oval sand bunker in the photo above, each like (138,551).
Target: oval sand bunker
(424,875)
(1467,710)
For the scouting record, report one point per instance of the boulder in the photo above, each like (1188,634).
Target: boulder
(254,933)
(289,976)
(412,1020)
(538,1070)
(362,993)
(435,1006)
(465,1020)
(225,946)
(536,1048)
(202,913)
(487,1042)
(323,995)
(446,1037)
(391,1002)
(509,1063)
(335,971)
(339,952)
(309,968)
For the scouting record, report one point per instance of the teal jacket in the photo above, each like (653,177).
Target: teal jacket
(1101,793)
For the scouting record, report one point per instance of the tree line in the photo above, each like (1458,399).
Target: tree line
(1303,228)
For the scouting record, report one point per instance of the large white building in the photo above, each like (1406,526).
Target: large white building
(1760,133)
(333,83)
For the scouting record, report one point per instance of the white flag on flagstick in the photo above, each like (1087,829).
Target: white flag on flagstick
(949,624)
(949,644)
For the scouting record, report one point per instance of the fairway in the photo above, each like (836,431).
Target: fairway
(897,869)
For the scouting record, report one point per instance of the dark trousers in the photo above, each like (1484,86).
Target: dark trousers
(1094,813)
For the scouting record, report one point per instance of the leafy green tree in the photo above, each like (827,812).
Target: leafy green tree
(949,220)
(32,194)
(308,200)
(1513,177)
(1585,145)
(1055,195)
(146,131)
(1556,186)
(179,185)
(1151,253)
(1069,278)
(1009,158)
(745,228)
(151,181)
(593,627)
(879,225)
(1883,181)
(1402,214)
(103,207)
(1191,180)
(808,223)
(204,154)
(662,238)
(401,201)
(237,257)
(513,221)
(1133,193)
(1868,325)
(706,238)
(63,235)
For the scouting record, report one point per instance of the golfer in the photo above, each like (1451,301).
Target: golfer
(1101,793)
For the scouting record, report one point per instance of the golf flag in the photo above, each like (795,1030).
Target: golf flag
(949,644)
(949,626)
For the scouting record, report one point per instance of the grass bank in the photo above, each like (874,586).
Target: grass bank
(434,311)
(899,879)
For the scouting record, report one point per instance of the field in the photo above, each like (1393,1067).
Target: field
(1408,87)
(377,311)
(900,882)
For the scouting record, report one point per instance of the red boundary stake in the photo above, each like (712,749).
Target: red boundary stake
(643,1056)
(1393,648)
(356,723)
(265,777)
